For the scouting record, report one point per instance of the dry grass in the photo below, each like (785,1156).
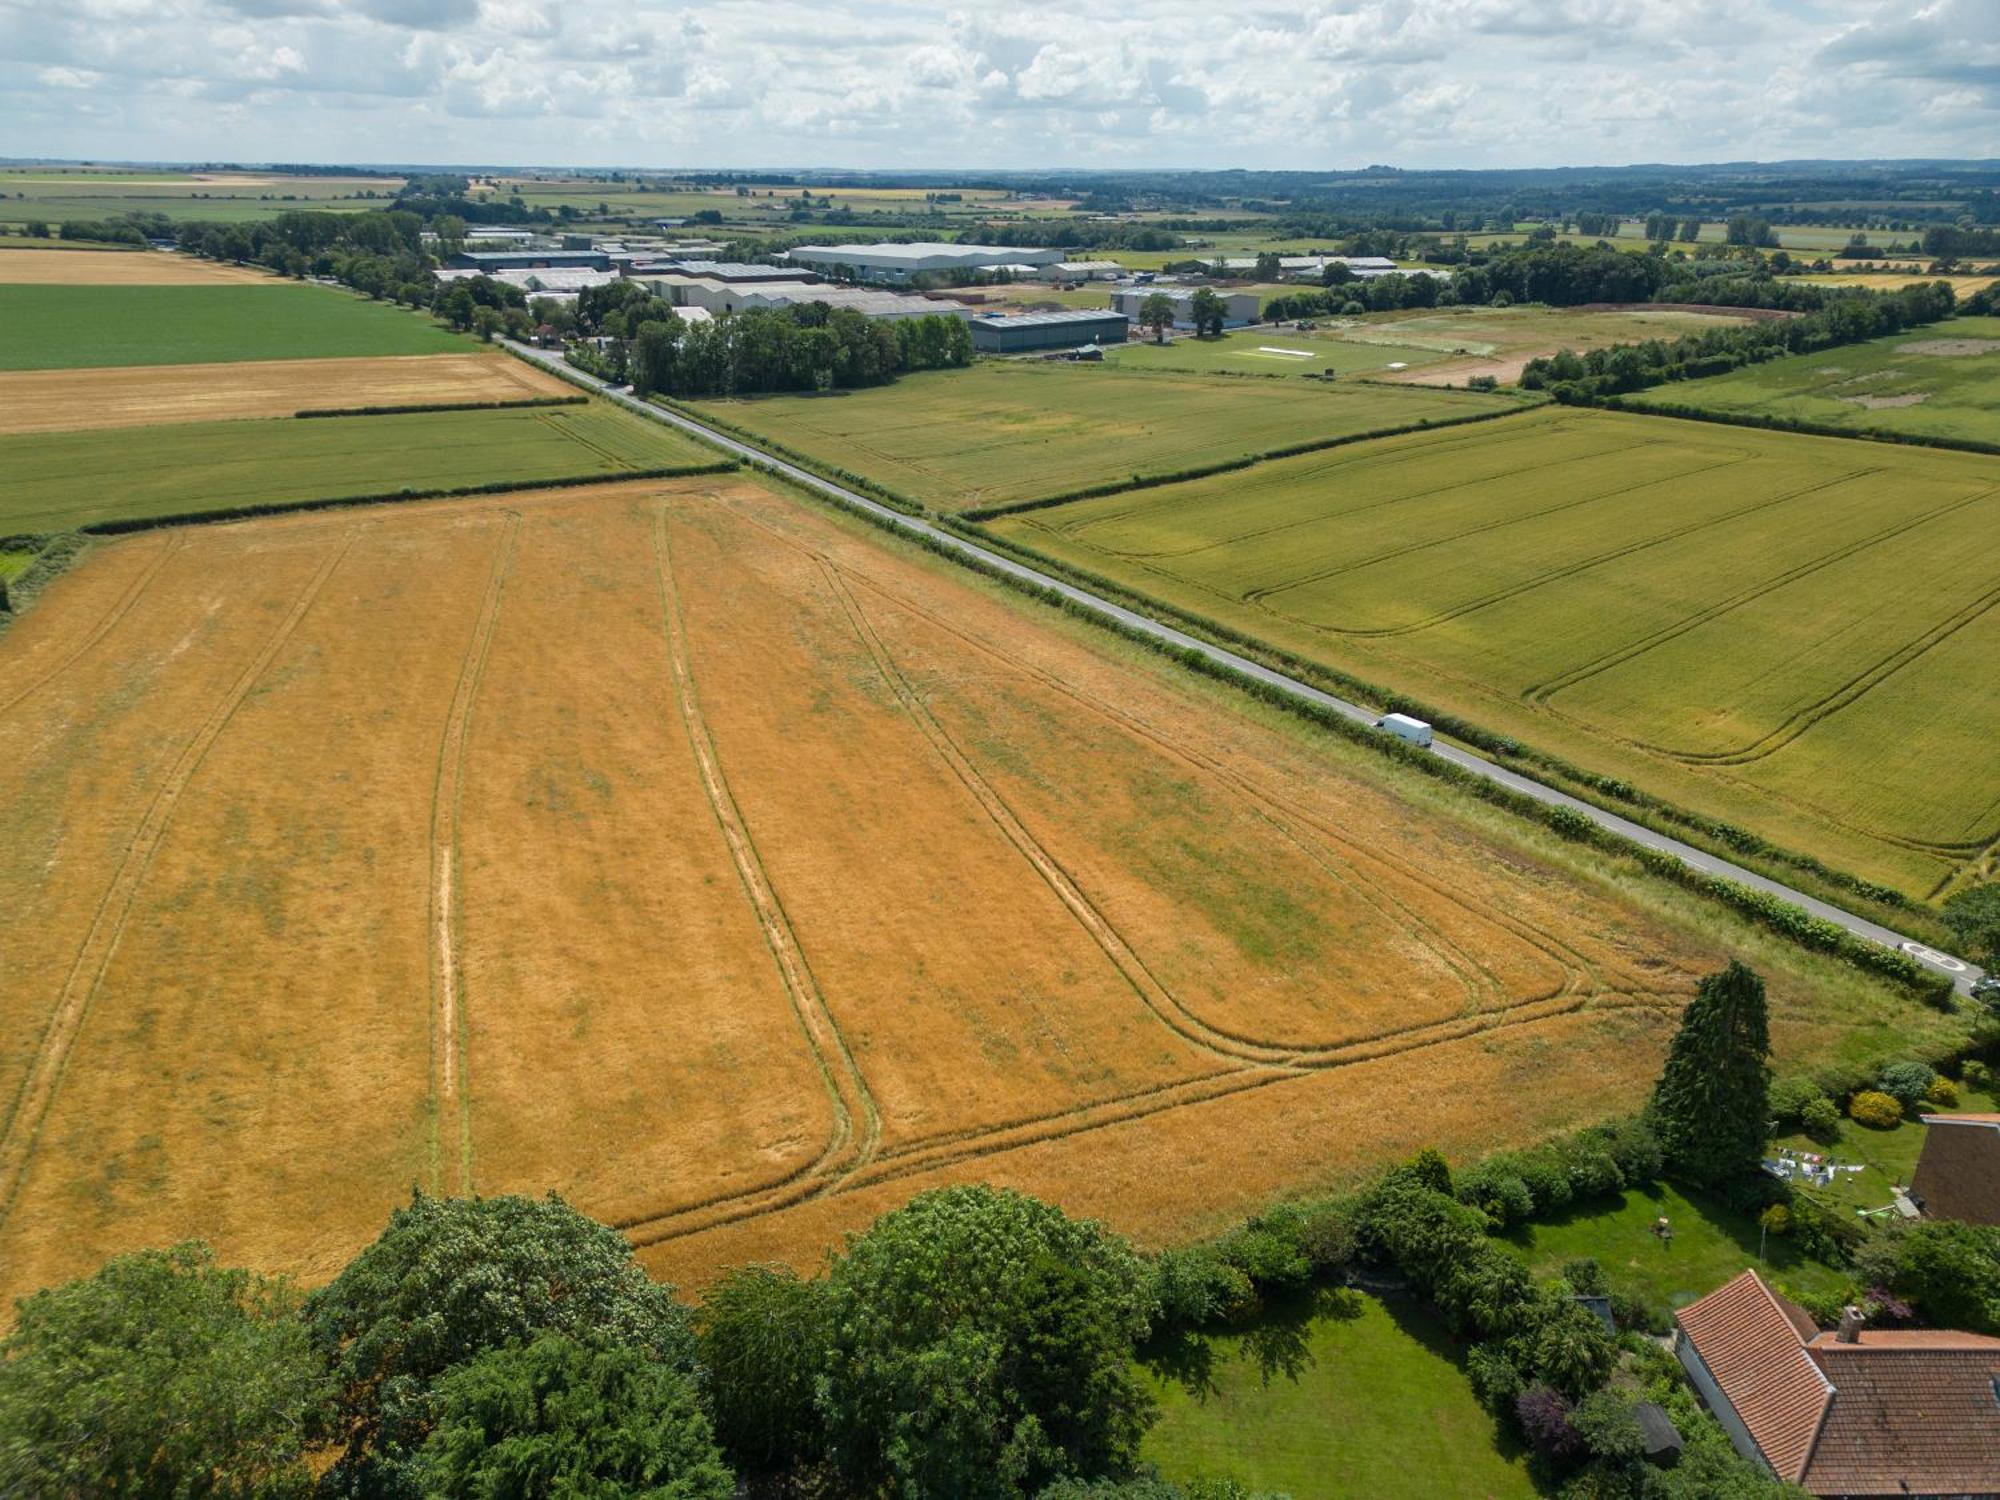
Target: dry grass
(120,268)
(683,849)
(145,395)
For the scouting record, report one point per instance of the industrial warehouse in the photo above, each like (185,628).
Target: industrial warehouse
(1027,332)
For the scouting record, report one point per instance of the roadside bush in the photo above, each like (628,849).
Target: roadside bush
(1907,1082)
(1821,1119)
(1876,1110)
(1942,1092)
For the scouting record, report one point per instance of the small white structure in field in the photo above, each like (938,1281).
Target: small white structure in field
(1403,727)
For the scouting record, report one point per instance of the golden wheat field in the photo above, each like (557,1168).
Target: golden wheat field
(695,853)
(65,267)
(145,395)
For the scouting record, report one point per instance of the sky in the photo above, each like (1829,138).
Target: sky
(877,84)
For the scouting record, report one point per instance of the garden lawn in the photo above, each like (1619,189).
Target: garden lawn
(999,433)
(1339,1395)
(1887,1158)
(1939,381)
(1710,1244)
(62,480)
(67,327)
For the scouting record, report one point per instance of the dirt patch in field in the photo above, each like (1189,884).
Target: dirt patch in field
(147,395)
(120,268)
(1950,348)
(1505,368)
(684,849)
(1886,403)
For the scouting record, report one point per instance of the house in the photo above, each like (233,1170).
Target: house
(1958,1172)
(1856,1413)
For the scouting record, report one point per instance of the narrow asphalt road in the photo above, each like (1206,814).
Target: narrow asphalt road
(1961,972)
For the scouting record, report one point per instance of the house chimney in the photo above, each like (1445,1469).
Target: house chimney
(1850,1325)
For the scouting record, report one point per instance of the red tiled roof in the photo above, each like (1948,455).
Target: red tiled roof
(1910,1338)
(1753,1342)
(1910,1416)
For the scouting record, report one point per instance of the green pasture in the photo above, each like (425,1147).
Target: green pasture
(1941,381)
(1251,353)
(1793,634)
(1001,432)
(1710,1242)
(69,327)
(52,194)
(1527,329)
(1336,1394)
(59,481)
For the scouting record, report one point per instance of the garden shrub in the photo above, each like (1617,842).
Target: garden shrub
(1790,1097)
(1942,1092)
(1498,1193)
(1975,1074)
(1545,1422)
(1878,1111)
(1194,1285)
(1495,1380)
(1586,1277)
(1821,1119)
(1907,1082)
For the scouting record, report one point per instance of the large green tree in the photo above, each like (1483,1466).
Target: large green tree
(1157,313)
(1712,1105)
(451,1278)
(163,1375)
(764,1339)
(562,1420)
(980,1346)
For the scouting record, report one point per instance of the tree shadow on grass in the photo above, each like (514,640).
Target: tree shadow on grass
(1276,1340)
(1421,1324)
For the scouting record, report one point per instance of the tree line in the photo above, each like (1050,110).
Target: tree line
(1715,351)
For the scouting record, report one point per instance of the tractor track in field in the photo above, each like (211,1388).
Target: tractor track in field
(107,925)
(1541,692)
(1257,596)
(451,1094)
(857,1121)
(120,608)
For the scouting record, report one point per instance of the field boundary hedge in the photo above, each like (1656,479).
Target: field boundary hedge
(55,553)
(1231,465)
(415,407)
(392,497)
(1772,423)
(1641,807)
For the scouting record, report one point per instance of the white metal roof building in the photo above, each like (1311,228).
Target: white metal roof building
(993,334)
(727,297)
(901,262)
(1238,308)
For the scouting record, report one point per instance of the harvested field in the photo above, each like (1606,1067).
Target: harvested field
(1779,631)
(64,480)
(463,844)
(143,395)
(1944,383)
(120,268)
(996,433)
(70,327)
(1499,341)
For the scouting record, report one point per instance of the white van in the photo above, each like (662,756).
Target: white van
(1403,727)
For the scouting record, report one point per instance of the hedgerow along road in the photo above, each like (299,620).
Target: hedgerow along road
(1962,973)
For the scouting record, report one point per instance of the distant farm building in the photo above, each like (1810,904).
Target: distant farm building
(1026,332)
(1238,308)
(896,263)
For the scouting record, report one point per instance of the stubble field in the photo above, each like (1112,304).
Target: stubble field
(1786,632)
(692,853)
(143,395)
(997,433)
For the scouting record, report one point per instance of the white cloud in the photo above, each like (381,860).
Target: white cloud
(889,83)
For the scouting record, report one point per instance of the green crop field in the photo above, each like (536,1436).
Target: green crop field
(998,433)
(53,194)
(61,480)
(1257,1405)
(1941,381)
(72,327)
(1794,634)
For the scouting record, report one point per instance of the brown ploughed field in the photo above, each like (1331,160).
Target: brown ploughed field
(145,395)
(54,267)
(700,855)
